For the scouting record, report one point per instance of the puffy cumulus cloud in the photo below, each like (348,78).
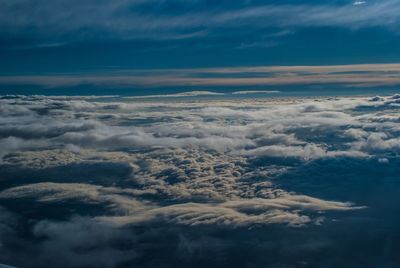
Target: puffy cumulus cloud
(11,144)
(307,152)
(69,154)
(107,169)
(378,141)
(123,125)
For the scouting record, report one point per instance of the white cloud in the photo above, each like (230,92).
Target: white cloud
(111,168)
(191,162)
(358,3)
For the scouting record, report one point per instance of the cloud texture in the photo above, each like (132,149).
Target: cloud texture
(184,19)
(123,178)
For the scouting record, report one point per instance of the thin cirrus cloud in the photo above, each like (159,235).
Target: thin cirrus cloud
(363,75)
(175,19)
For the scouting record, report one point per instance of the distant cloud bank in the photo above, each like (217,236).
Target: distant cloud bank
(364,75)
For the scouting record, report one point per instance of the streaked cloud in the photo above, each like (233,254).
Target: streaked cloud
(136,19)
(357,3)
(365,75)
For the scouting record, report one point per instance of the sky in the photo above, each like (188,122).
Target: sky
(199,133)
(103,38)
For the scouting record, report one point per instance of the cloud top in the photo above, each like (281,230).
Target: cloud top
(120,172)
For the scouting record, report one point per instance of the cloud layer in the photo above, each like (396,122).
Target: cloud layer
(92,173)
(348,76)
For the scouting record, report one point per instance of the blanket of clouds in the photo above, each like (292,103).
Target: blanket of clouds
(122,182)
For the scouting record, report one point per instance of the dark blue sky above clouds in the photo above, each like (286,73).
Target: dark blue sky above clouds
(101,37)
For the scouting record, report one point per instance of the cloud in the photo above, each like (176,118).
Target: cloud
(284,209)
(88,124)
(136,19)
(117,200)
(364,75)
(11,144)
(307,152)
(357,3)
(84,178)
(82,242)
(238,213)
(378,142)
(243,92)
(178,95)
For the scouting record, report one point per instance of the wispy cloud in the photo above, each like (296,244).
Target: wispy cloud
(349,75)
(135,19)
(357,3)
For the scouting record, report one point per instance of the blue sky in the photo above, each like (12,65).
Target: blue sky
(100,37)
